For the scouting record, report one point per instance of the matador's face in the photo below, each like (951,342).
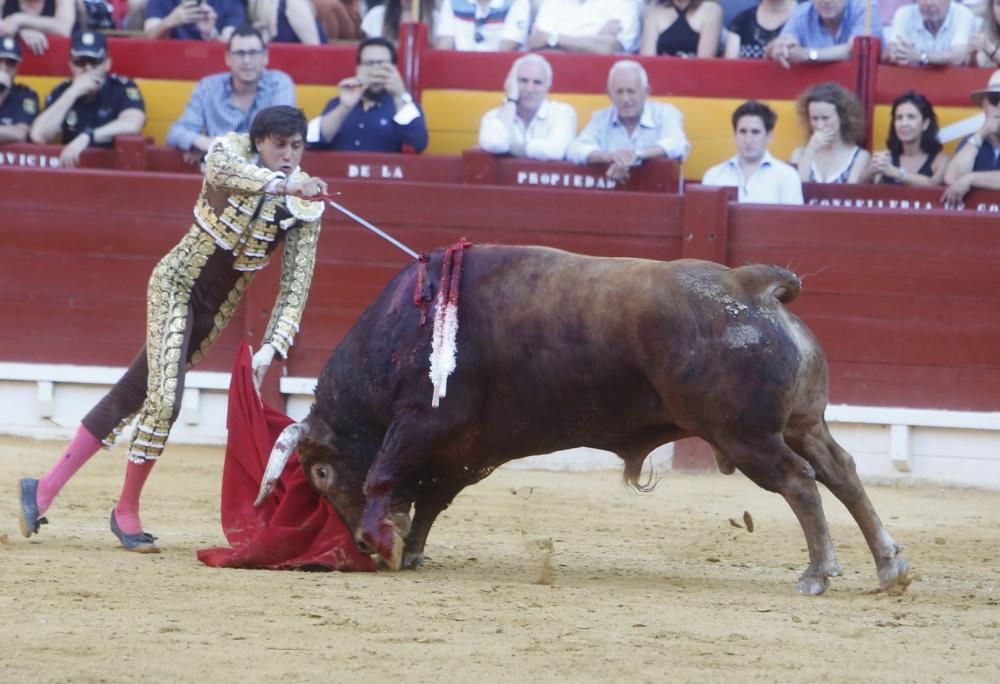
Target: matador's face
(279,153)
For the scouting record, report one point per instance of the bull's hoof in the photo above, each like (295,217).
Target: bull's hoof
(385,542)
(812,585)
(895,575)
(412,561)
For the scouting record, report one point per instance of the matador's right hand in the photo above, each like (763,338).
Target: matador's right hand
(308,187)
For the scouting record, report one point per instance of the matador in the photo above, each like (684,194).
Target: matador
(253,198)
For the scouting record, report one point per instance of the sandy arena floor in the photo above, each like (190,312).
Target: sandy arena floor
(644,588)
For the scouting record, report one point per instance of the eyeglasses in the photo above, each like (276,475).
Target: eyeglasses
(82,62)
(478,36)
(993,99)
(374,62)
(246,54)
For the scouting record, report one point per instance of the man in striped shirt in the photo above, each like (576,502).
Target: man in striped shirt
(227,102)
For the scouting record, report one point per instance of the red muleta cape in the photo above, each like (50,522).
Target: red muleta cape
(294,527)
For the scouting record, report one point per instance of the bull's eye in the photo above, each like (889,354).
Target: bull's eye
(323,473)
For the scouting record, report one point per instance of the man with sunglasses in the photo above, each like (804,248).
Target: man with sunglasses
(482,25)
(228,102)
(92,108)
(976,164)
(18,103)
(372,111)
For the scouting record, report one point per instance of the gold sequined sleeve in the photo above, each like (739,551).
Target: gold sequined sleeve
(297,265)
(228,166)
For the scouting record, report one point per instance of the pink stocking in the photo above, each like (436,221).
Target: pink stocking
(80,449)
(127,510)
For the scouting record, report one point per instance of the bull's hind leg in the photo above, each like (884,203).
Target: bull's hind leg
(776,468)
(835,468)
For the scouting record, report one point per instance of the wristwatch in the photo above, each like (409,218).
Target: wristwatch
(924,58)
(813,55)
(406,98)
(553,40)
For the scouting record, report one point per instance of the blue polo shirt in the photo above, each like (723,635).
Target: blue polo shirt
(806,26)
(228,13)
(375,129)
(987,159)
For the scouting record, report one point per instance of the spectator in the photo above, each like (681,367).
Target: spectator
(18,103)
(914,156)
(632,129)
(286,21)
(822,31)
(977,162)
(752,30)
(32,20)
(341,19)
(985,44)
(599,26)
(92,108)
(832,115)
(228,102)
(483,25)
(193,19)
(383,21)
(689,28)
(372,111)
(929,32)
(758,177)
(527,124)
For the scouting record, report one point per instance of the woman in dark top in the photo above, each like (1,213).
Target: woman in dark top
(751,30)
(682,28)
(914,156)
(32,20)
(286,21)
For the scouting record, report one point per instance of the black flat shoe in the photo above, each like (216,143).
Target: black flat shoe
(143,542)
(27,491)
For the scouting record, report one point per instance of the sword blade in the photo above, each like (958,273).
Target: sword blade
(381,233)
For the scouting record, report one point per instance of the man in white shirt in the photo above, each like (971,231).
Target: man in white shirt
(758,177)
(528,124)
(633,129)
(929,32)
(482,25)
(596,26)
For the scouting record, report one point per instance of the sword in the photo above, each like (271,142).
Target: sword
(381,233)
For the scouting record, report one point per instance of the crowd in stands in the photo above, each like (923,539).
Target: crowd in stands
(374,112)
(916,33)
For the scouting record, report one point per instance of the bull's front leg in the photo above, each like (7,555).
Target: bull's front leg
(403,451)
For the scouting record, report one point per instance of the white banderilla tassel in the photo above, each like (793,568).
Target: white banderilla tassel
(443,348)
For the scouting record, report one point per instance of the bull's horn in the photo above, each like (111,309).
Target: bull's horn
(282,451)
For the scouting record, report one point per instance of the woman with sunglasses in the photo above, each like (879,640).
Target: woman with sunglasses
(914,156)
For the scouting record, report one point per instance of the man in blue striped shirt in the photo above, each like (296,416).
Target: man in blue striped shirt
(228,102)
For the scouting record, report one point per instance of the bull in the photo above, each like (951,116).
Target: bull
(558,350)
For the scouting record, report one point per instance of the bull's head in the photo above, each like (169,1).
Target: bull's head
(338,479)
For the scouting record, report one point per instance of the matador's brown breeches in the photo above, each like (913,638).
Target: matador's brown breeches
(193,293)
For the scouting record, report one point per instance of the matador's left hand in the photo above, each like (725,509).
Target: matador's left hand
(260,363)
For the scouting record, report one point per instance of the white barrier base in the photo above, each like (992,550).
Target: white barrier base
(44,401)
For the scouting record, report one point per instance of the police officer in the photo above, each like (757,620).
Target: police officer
(92,108)
(18,103)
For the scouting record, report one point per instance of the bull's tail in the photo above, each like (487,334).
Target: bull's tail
(764,282)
